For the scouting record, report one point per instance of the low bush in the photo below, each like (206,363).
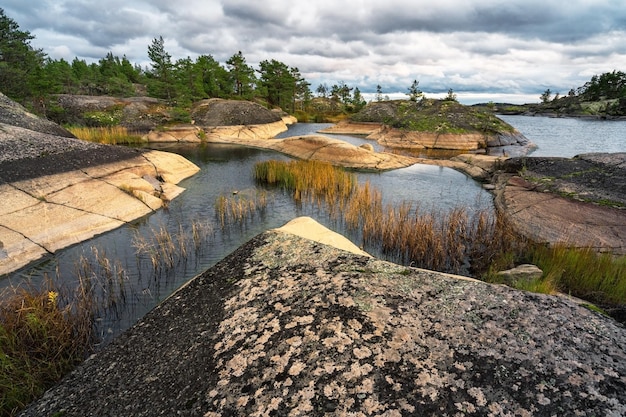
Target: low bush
(44,333)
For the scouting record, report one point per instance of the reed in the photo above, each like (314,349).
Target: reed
(165,249)
(312,180)
(238,208)
(112,135)
(47,330)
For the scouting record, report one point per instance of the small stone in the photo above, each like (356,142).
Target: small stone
(524,273)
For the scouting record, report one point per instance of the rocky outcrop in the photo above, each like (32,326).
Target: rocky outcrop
(289,326)
(346,127)
(578,201)
(43,214)
(13,114)
(505,143)
(58,191)
(220,112)
(340,153)
(137,114)
(435,124)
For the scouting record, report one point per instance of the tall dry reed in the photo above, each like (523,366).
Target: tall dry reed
(311,181)
(112,135)
(239,208)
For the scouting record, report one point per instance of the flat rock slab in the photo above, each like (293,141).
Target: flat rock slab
(594,177)
(579,201)
(287,326)
(40,215)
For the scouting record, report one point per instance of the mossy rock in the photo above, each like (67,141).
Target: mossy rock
(435,116)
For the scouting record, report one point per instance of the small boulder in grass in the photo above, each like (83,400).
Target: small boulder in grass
(520,274)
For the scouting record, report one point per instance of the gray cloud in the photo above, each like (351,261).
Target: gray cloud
(517,46)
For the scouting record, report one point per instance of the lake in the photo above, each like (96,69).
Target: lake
(228,169)
(568,137)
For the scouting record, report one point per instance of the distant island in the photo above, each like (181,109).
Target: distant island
(603,97)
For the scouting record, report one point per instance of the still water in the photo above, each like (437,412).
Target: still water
(228,169)
(568,137)
(225,170)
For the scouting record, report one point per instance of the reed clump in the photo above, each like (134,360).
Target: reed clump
(165,249)
(459,241)
(312,180)
(238,208)
(112,135)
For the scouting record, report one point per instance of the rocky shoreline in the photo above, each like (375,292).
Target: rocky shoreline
(29,153)
(58,191)
(299,321)
(578,201)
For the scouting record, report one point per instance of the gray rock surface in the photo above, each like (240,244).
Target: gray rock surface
(520,274)
(14,114)
(578,201)
(287,326)
(219,112)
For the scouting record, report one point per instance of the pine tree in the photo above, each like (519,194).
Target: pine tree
(19,61)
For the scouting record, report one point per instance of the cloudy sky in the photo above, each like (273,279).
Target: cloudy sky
(500,50)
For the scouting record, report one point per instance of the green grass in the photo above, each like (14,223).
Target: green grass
(583,272)
(42,337)
(433,116)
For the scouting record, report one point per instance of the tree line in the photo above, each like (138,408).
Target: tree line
(606,86)
(28,76)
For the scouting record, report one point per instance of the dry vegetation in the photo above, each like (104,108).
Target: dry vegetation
(46,331)
(111,135)
(478,244)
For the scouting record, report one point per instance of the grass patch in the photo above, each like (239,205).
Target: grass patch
(434,116)
(44,333)
(584,273)
(111,135)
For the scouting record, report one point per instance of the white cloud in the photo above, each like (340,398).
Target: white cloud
(516,47)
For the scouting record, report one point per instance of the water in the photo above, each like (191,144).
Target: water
(568,137)
(226,169)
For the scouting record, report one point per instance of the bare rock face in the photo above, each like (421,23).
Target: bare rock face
(521,273)
(219,112)
(289,326)
(137,114)
(577,201)
(338,152)
(13,114)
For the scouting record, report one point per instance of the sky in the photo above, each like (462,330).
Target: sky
(484,50)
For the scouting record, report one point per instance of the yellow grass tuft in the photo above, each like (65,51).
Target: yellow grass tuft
(111,135)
